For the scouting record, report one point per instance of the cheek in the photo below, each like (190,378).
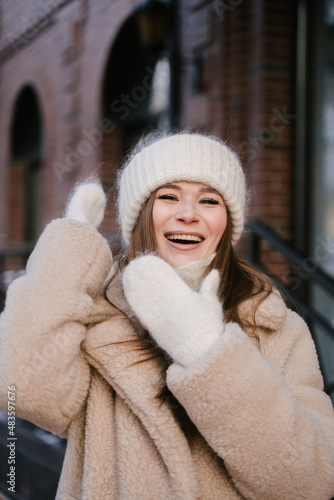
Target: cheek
(160,215)
(218,225)
(156,217)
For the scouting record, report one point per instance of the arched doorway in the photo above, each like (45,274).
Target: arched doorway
(136,90)
(24,168)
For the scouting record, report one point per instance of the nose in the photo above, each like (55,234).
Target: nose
(187,212)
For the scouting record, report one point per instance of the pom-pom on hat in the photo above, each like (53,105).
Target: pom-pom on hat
(182,157)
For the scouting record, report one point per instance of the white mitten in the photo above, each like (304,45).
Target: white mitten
(184,323)
(87,204)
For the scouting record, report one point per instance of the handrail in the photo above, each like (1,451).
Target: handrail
(258,230)
(308,312)
(266,233)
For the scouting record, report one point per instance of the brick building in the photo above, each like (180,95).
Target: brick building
(80,81)
(76,91)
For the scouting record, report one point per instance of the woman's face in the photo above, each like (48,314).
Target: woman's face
(189,220)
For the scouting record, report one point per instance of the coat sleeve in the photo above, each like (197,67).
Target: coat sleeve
(43,324)
(273,426)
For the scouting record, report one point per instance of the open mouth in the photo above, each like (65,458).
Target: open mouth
(184,239)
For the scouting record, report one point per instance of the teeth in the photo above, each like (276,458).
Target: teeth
(187,237)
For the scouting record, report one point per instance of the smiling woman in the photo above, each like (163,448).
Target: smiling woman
(189,220)
(175,371)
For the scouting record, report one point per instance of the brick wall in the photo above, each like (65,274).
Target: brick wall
(236,77)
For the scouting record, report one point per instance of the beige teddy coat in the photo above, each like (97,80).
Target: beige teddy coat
(265,428)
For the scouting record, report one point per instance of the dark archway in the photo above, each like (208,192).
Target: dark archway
(136,91)
(24,168)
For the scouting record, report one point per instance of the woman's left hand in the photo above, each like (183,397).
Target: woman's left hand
(184,323)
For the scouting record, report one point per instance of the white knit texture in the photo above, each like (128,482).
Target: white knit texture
(185,323)
(87,204)
(183,157)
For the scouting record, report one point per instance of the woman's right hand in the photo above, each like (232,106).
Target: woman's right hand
(87,204)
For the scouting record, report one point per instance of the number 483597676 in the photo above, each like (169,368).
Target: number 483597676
(11,409)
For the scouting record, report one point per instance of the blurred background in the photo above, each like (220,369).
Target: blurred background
(82,80)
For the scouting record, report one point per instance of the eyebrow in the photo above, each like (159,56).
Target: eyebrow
(169,186)
(210,190)
(203,189)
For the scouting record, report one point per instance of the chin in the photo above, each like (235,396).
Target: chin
(178,261)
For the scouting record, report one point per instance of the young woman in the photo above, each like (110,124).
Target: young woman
(176,372)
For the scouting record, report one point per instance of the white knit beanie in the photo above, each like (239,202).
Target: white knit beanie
(182,157)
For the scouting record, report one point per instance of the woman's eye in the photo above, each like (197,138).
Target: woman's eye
(209,201)
(166,197)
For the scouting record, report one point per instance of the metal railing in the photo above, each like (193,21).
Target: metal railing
(257,232)
(8,255)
